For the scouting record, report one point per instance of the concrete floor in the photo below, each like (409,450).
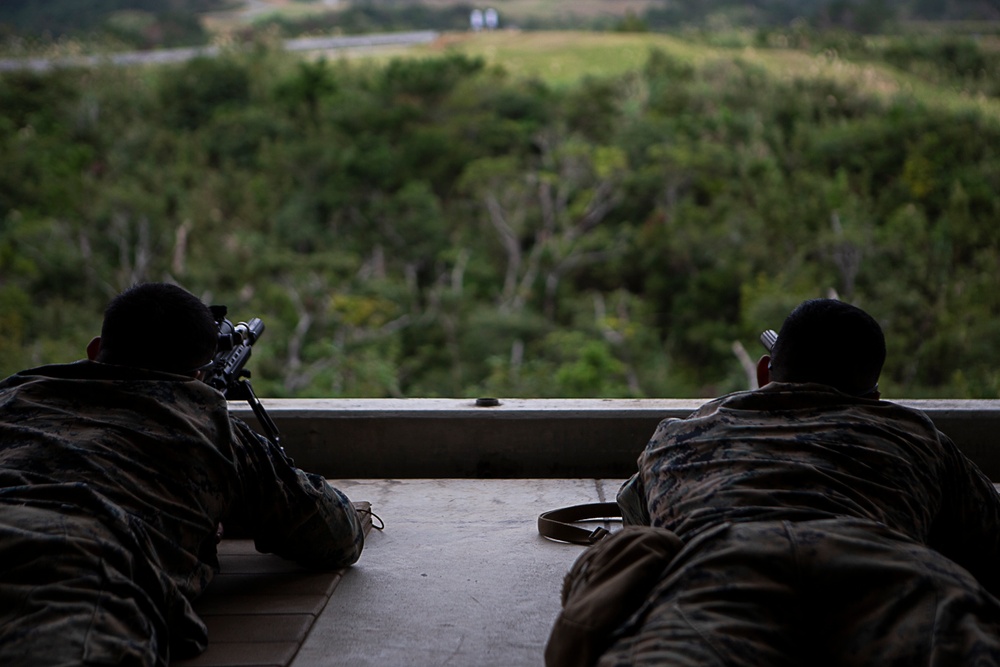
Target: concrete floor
(458,577)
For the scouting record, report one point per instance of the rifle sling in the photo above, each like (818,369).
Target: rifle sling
(557,525)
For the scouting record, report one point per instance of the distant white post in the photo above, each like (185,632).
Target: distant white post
(492,19)
(476,20)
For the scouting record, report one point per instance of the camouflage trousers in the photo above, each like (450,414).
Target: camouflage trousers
(69,594)
(825,592)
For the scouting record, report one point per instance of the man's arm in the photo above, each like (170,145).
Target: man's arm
(289,512)
(632,498)
(632,502)
(967,529)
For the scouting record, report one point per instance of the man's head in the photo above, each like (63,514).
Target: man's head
(156,326)
(832,343)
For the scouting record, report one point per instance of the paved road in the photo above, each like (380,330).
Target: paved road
(179,55)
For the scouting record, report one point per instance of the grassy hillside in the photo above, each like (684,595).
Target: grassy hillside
(565,58)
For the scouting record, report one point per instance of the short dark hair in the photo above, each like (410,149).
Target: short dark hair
(158,326)
(832,343)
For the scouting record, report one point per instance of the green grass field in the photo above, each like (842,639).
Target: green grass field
(562,57)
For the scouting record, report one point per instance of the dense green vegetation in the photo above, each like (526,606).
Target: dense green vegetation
(439,227)
(114,24)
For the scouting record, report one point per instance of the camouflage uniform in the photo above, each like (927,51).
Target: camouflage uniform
(112,484)
(819,529)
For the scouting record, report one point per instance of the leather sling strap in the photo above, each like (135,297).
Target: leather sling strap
(557,524)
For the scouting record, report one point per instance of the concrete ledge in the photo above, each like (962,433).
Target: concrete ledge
(526,438)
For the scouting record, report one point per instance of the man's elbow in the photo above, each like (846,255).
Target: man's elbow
(334,557)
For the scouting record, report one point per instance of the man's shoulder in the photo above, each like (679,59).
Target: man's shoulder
(777,400)
(49,374)
(97,383)
(84,370)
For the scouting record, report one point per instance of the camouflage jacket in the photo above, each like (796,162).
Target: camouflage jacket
(160,462)
(799,452)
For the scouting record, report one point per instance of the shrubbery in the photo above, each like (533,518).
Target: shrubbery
(435,227)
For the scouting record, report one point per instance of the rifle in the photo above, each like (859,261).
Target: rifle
(227,373)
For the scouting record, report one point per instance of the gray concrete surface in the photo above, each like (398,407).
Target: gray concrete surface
(458,577)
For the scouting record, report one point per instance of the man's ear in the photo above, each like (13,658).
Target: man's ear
(94,348)
(763,370)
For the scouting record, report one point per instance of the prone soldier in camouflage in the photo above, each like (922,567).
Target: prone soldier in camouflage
(821,525)
(115,473)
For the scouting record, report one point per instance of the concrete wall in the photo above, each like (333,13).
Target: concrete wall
(417,438)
